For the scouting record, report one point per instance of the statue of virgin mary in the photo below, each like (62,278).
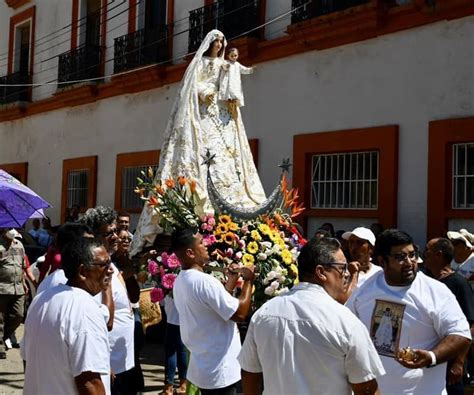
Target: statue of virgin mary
(200,122)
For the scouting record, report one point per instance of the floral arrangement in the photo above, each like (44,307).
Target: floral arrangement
(271,243)
(163,272)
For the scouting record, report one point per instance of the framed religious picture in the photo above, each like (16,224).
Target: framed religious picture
(386,326)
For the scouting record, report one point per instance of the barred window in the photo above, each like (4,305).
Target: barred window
(345,180)
(130,200)
(463,175)
(77,187)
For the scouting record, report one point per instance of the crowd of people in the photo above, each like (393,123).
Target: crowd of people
(372,313)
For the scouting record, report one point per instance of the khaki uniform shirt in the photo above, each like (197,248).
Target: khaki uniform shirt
(12,263)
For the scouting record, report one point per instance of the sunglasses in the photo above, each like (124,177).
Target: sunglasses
(341,267)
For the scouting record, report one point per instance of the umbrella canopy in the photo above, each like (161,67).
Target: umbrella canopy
(18,203)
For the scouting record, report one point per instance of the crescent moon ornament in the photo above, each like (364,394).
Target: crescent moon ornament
(221,206)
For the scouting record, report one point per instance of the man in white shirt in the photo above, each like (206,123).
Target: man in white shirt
(305,342)
(102,221)
(207,312)
(404,308)
(463,261)
(361,242)
(65,345)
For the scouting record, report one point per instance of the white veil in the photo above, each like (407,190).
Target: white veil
(183,128)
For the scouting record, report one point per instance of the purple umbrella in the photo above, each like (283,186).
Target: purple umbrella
(18,203)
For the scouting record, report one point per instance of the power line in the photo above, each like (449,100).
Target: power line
(54,82)
(36,43)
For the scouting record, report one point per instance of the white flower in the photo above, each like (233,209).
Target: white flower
(282,279)
(276,248)
(271,274)
(267,244)
(269,291)
(275,285)
(261,256)
(238,255)
(282,291)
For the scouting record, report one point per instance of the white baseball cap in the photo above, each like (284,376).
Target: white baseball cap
(361,233)
(463,235)
(12,234)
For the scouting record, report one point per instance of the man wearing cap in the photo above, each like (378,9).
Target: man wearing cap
(12,293)
(463,261)
(361,242)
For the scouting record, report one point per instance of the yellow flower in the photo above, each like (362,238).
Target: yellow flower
(225,219)
(286,257)
(274,236)
(281,243)
(264,229)
(248,260)
(297,281)
(252,247)
(294,270)
(219,236)
(255,235)
(222,228)
(233,226)
(229,238)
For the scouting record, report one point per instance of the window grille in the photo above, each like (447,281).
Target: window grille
(345,180)
(131,200)
(77,187)
(463,176)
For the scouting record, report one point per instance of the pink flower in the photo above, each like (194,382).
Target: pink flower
(153,267)
(238,255)
(164,258)
(229,252)
(241,243)
(211,221)
(173,261)
(157,295)
(209,240)
(168,280)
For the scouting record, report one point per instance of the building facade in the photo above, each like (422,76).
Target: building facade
(373,101)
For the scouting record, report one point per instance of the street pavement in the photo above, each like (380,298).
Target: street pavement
(11,369)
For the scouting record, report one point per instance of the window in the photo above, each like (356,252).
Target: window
(17,170)
(130,199)
(463,175)
(77,186)
(128,168)
(79,183)
(345,180)
(450,174)
(348,174)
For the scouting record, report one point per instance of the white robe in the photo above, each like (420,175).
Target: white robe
(230,84)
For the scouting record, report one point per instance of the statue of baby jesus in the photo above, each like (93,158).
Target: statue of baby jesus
(230,84)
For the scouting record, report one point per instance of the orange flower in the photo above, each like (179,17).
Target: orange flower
(152,201)
(169,183)
(150,172)
(159,190)
(139,191)
(182,180)
(193,186)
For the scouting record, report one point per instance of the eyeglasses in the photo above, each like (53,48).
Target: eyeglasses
(109,233)
(102,265)
(344,267)
(402,257)
(124,239)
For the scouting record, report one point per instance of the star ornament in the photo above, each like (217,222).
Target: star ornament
(208,159)
(285,165)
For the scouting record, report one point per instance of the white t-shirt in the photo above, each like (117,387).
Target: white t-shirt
(65,335)
(364,276)
(419,316)
(304,342)
(121,337)
(205,309)
(172,316)
(52,280)
(465,269)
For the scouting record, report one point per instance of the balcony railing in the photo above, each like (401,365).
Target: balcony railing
(232,17)
(81,63)
(11,94)
(304,9)
(145,46)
